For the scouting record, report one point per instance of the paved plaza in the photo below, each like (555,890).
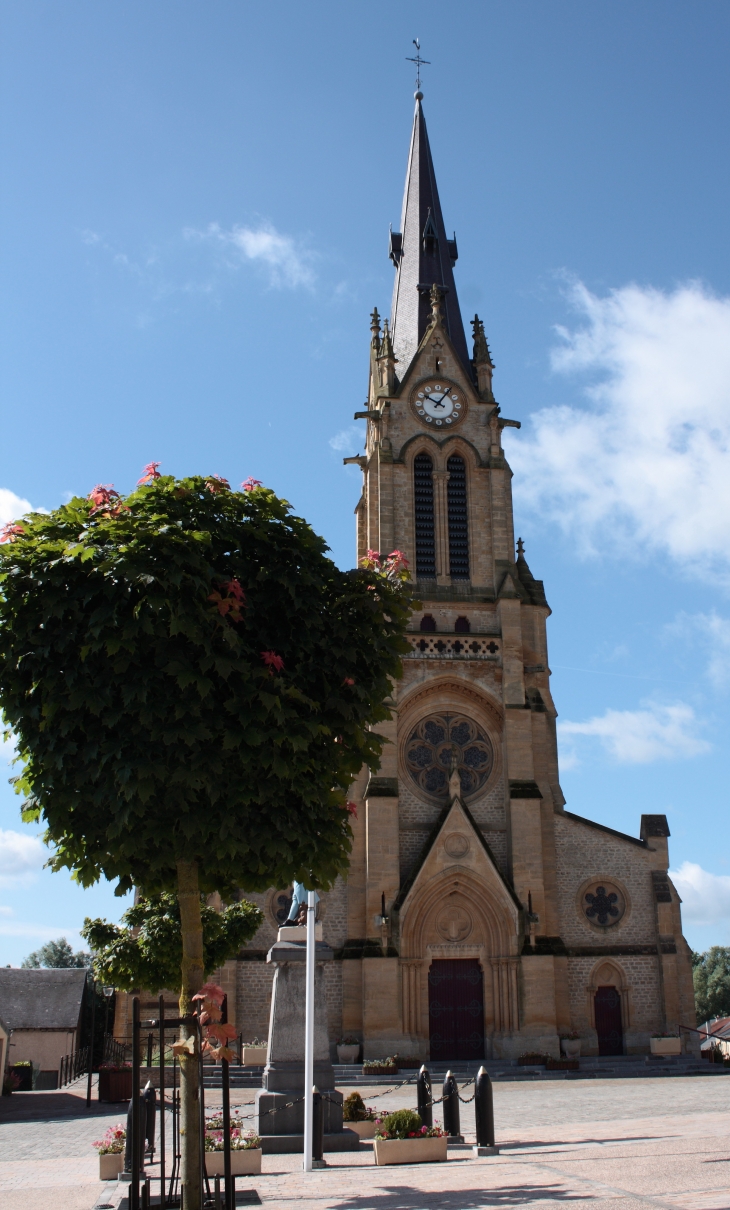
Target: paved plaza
(598,1144)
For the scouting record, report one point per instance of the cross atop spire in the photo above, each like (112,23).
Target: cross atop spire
(423,257)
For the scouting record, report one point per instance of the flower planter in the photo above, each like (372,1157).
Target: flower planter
(110,1165)
(364,1130)
(666,1046)
(245,1162)
(570,1047)
(410,1151)
(25,1075)
(115,1085)
(254,1056)
(381,1070)
(348,1054)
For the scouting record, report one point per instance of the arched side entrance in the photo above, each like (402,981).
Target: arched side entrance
(456,1009)
(609,1005)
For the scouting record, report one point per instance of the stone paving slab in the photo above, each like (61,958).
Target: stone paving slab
(600,1146)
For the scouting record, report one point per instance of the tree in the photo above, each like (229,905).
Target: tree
(56,955)
(193,685)
(147,952)
(711,974)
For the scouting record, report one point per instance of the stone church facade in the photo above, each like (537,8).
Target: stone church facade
(479,917)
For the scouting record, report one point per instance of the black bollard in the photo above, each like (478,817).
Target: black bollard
(484,1109)
(452,1123)
(425,1097)
(317,1128)
(148,1111)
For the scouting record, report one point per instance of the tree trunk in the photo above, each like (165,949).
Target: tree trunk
(188,890)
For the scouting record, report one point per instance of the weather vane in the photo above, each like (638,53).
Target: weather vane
(419,62)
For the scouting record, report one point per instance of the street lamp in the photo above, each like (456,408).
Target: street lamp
(108,993)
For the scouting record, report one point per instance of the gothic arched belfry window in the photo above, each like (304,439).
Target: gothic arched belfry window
(458,519)
(425,536)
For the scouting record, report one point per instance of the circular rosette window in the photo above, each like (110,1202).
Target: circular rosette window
(437,743)
(603,903)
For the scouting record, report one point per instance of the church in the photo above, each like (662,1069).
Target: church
(479,917)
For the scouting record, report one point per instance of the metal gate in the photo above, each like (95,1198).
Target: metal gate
(610,1032)
(456,1009)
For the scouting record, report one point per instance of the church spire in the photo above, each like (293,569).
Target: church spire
(423,256)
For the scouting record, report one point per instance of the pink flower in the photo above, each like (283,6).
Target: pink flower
(217,484)
(150,473)
(249,484)
(272,661)
(8,532)
(348,681)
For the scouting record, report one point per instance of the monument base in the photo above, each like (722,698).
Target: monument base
(291,1144)
(289,1118)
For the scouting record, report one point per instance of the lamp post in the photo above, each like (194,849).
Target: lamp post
(108,993)
(91,1042)
(309,1033)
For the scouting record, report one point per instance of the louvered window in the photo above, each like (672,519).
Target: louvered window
(458,524)
(425,539)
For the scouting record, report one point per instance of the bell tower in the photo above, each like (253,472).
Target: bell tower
(467,883)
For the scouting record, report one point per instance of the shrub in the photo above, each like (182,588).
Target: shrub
(355,1110)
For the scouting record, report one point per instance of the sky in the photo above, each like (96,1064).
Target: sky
(194,224)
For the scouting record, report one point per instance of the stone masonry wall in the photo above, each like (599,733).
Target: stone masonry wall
(644,997)
(583,852)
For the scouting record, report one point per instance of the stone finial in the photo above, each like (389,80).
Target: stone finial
(520,547)
(436,294)
(386,346)
(482,360)
(375,329)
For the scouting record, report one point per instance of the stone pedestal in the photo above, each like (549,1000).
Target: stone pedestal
(283,1080)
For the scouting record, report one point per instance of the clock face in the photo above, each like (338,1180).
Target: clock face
(439,403)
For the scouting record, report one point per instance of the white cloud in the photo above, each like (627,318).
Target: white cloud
(637,737)
(645,465)
(348,441)
(705,897)
(12,507)
(22,856)
(287,262)
(712,630)
(6,911)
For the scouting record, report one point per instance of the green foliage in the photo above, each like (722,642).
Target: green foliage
(146,953)
(353,1108)
(711,974)
(150,726)
(401,1124)
(56,954)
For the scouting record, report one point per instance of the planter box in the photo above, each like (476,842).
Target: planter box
(666,1046)
(410,1151)
(570,1047)
(254,1056)
(110,1165)
(348,1054)
(364,1130)
(243,1163)
(380,1071)
(562,1065)
(115,1085)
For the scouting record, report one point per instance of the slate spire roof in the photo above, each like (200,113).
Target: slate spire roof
(423,256)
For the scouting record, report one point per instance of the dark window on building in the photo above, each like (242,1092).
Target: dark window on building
(428,623)
(462,626)
(458,525)
(425,538)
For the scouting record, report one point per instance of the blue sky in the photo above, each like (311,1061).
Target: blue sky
(194,225)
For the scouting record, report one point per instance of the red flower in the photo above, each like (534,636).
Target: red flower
(8,532)
(272,661)
(150,473)
(217,484)
(249,484)
(348,681)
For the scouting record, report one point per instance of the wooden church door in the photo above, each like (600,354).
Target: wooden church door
(456,1009)
(610,1032)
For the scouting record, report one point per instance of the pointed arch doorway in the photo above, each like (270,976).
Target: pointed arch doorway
(456,1009)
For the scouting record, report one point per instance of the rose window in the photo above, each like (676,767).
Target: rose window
(603,904)
(440,739)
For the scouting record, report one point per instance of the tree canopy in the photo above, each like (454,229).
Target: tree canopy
(189,677)
(711,973)
(56,954)
(146,952)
